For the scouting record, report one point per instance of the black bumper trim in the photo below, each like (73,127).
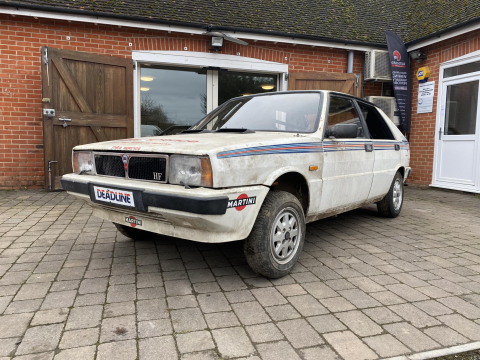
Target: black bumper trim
(143,199)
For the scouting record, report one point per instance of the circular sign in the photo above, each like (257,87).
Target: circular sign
(242,196)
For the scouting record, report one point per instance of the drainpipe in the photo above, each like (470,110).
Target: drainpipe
(350,61)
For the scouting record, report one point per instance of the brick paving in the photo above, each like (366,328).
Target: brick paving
(72,287)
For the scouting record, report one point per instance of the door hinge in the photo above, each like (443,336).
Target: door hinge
(134,66)
(45,61)
(286,76)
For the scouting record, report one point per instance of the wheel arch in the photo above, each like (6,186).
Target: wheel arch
(293,182)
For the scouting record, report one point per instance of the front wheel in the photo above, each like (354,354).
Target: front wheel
(277,237)
(391,205)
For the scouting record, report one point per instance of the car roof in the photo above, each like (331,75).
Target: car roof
(326,92)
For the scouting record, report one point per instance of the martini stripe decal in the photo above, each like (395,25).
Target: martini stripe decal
(312,147)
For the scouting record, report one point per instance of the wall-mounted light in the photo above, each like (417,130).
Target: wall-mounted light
(146,78)
(216,42)
(144,89)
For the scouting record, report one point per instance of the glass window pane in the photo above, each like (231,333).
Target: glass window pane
(172,99)
(376,125)
(276,112)
(461,109)
(342,111)
(234,84)
(461,69)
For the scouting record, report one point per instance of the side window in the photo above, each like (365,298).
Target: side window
(343,111)
(376,125)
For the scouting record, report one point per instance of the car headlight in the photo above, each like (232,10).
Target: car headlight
(191,170)
(83,162)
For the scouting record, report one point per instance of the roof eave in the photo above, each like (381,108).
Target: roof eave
(55,9)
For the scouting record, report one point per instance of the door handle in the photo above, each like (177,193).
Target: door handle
(440,134)
(368,147)
(65,121)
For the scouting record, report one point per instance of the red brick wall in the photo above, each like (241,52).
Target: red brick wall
(21,129)
(422,131)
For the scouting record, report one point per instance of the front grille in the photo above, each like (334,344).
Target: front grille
(147,168)
(109,165)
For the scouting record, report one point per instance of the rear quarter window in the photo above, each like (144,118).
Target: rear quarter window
(377,127)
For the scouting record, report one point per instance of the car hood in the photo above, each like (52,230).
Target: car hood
(197,144)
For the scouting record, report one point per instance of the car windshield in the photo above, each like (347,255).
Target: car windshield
(296,112)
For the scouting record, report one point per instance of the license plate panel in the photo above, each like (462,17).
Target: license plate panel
(123,197)
(114,196)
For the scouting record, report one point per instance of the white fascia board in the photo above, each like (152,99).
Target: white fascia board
(444,36)
(178,29)
(201,59)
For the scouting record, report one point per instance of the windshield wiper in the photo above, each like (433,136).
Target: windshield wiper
(240,130)
(195,131)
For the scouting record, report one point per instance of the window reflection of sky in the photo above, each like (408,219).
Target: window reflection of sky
(179,92)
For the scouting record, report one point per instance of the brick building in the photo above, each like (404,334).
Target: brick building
(133,68)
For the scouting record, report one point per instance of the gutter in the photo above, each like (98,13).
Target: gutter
(202,26)
(438,34)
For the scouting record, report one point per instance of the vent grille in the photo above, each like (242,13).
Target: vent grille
(147,168)
(377,65)
(110,165)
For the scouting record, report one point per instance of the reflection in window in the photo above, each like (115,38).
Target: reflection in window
(461,109)
(342,111)
(276,112)
(234,84)
(172,99)
(461,69)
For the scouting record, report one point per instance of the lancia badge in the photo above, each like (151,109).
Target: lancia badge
(125,161)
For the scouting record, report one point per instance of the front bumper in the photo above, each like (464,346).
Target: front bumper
(200,214)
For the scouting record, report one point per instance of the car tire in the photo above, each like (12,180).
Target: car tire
(134,234)
(276,240)
(391,205)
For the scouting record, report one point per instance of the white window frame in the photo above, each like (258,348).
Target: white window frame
(192,59)
(465,59)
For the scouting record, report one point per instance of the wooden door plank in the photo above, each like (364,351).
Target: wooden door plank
(347,87)
(86,119)
(99,133)
(72,85)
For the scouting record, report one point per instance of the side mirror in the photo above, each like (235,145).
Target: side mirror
(343,131)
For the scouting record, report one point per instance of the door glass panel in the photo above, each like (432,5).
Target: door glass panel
(376,125)
(461,69)
(342,111)
(461,109)
(232,84)
(172,99)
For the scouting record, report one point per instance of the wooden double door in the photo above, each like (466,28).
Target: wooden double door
(92,97)
(340,82)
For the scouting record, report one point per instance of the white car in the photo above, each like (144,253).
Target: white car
(258,168)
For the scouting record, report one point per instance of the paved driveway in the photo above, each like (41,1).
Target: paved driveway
(72,287)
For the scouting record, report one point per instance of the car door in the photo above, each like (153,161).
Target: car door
(348,163)
(387,149)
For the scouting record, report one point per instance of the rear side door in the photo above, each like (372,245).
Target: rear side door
(348,163)
(387,150)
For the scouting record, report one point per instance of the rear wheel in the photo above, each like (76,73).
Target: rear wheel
(277,237)
(391,205)
(134,234)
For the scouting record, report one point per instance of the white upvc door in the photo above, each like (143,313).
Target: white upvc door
(458,134)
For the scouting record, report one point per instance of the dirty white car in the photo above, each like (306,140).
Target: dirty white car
(258,168)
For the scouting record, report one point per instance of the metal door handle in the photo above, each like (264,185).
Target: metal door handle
(440,134)
(368,147)
(65,121)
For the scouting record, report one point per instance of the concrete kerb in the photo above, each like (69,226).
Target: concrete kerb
(440,352)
